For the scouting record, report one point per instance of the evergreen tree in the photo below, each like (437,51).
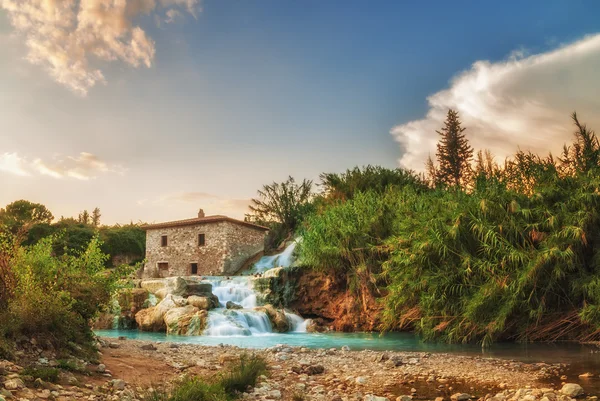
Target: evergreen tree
(96,217)
(454,154)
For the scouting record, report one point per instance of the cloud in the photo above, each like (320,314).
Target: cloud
(83,167)
(66,37)
(13,164)
(172,14)
(210,203)
(524,101)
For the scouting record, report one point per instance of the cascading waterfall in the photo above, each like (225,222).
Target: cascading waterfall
(239,290)
(283,259)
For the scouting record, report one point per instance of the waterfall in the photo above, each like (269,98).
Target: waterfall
(224,322)
(297,323)
(283,259)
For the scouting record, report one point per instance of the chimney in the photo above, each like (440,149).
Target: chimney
(200,213)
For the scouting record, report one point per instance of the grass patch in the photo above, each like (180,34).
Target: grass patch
(46,374)
(68,365)
(243,373)
(228,386)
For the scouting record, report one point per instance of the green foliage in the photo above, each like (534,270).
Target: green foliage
(46,374)
(281,207)
(129,240)
(22,214)
(516,256)
(227,386)
(370,178)
(68,365)
(454,155)
(243,374)
(55,297)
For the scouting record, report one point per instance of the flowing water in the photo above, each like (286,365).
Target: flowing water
(283,259)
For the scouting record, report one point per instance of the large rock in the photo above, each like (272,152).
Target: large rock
(187,320)
(201,289)
(203,302)
(572,390)
(105,321)
(153,285)
(176,286)
(278,319)
(152,319)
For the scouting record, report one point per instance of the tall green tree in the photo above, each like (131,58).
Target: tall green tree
(22,214)
(454,154)
(282,206)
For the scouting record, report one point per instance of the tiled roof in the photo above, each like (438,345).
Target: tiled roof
(202,220)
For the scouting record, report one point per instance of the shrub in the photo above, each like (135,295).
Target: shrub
(46,374)
(243,373)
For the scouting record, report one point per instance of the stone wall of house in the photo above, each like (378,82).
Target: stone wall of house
(227,246)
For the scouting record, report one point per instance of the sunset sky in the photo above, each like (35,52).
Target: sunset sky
(150,109)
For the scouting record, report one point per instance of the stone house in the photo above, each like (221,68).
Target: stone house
(206,245)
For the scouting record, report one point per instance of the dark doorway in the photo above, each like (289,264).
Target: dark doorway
(194,268)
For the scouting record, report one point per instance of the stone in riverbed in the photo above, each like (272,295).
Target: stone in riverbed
(572,390)
(203,302)
(13,384)
(404,398)
(233,305)
(460,397)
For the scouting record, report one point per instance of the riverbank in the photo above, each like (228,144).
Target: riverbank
(128,367)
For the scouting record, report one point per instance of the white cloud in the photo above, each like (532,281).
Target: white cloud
(523,102)
(83,167)
(65,36)
(13,164)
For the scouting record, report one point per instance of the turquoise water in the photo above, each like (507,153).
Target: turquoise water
(582,355)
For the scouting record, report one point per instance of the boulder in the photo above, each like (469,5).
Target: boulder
(152,319)
(278,319)
(187,320)
(105,321)
(203,302)
(201,289)
(572,390)
(176,286)
(152,285)
(273,273)
(233,305)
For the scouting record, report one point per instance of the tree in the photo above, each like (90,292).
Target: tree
(84,217)
(96,217)
(454,154)
(22,214)
(283,203)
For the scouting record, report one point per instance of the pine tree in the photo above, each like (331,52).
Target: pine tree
(454,154)
(96,217)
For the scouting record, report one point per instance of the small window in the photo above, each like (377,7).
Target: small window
(194,268)
(201,240)
(162,266)
(163,240)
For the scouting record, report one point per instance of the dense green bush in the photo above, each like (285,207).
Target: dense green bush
(55,297)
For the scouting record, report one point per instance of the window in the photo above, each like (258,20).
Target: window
(201,239)
(194,268)
(163,240)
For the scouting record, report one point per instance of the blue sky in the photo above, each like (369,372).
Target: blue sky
(253,91)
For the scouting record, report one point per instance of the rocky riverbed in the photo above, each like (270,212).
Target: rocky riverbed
(128,368)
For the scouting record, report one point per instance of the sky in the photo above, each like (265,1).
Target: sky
(152,109)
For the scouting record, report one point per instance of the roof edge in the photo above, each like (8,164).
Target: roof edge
(204,220)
